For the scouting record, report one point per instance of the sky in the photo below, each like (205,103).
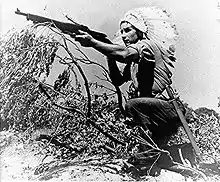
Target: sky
(197,70)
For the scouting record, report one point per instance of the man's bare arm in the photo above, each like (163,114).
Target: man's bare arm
(113,51)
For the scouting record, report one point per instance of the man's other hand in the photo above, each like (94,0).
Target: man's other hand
(83,38)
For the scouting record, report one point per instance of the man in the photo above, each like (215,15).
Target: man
(144,66)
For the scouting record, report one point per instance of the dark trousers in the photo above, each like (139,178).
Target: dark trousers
(159,116)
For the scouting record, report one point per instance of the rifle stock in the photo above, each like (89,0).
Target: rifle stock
(67,28)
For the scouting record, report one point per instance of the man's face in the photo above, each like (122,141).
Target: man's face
(128,33)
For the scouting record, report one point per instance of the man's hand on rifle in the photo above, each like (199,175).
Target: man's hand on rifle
(83,38)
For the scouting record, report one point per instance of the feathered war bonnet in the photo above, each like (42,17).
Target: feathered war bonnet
(156,24)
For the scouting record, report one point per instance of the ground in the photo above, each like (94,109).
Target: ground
(22,162)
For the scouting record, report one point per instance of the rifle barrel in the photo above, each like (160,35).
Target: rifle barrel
(20,13)
(67,28)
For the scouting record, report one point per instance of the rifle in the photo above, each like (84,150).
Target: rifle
(67,28)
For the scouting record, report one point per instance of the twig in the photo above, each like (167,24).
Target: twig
(83,76)
(148,173)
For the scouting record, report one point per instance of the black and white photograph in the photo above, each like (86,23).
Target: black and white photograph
(110,91)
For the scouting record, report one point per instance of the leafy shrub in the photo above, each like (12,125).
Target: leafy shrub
(78,118)
(71,110)
(205,129)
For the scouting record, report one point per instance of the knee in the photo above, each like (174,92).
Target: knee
(130,105)
(138,102)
